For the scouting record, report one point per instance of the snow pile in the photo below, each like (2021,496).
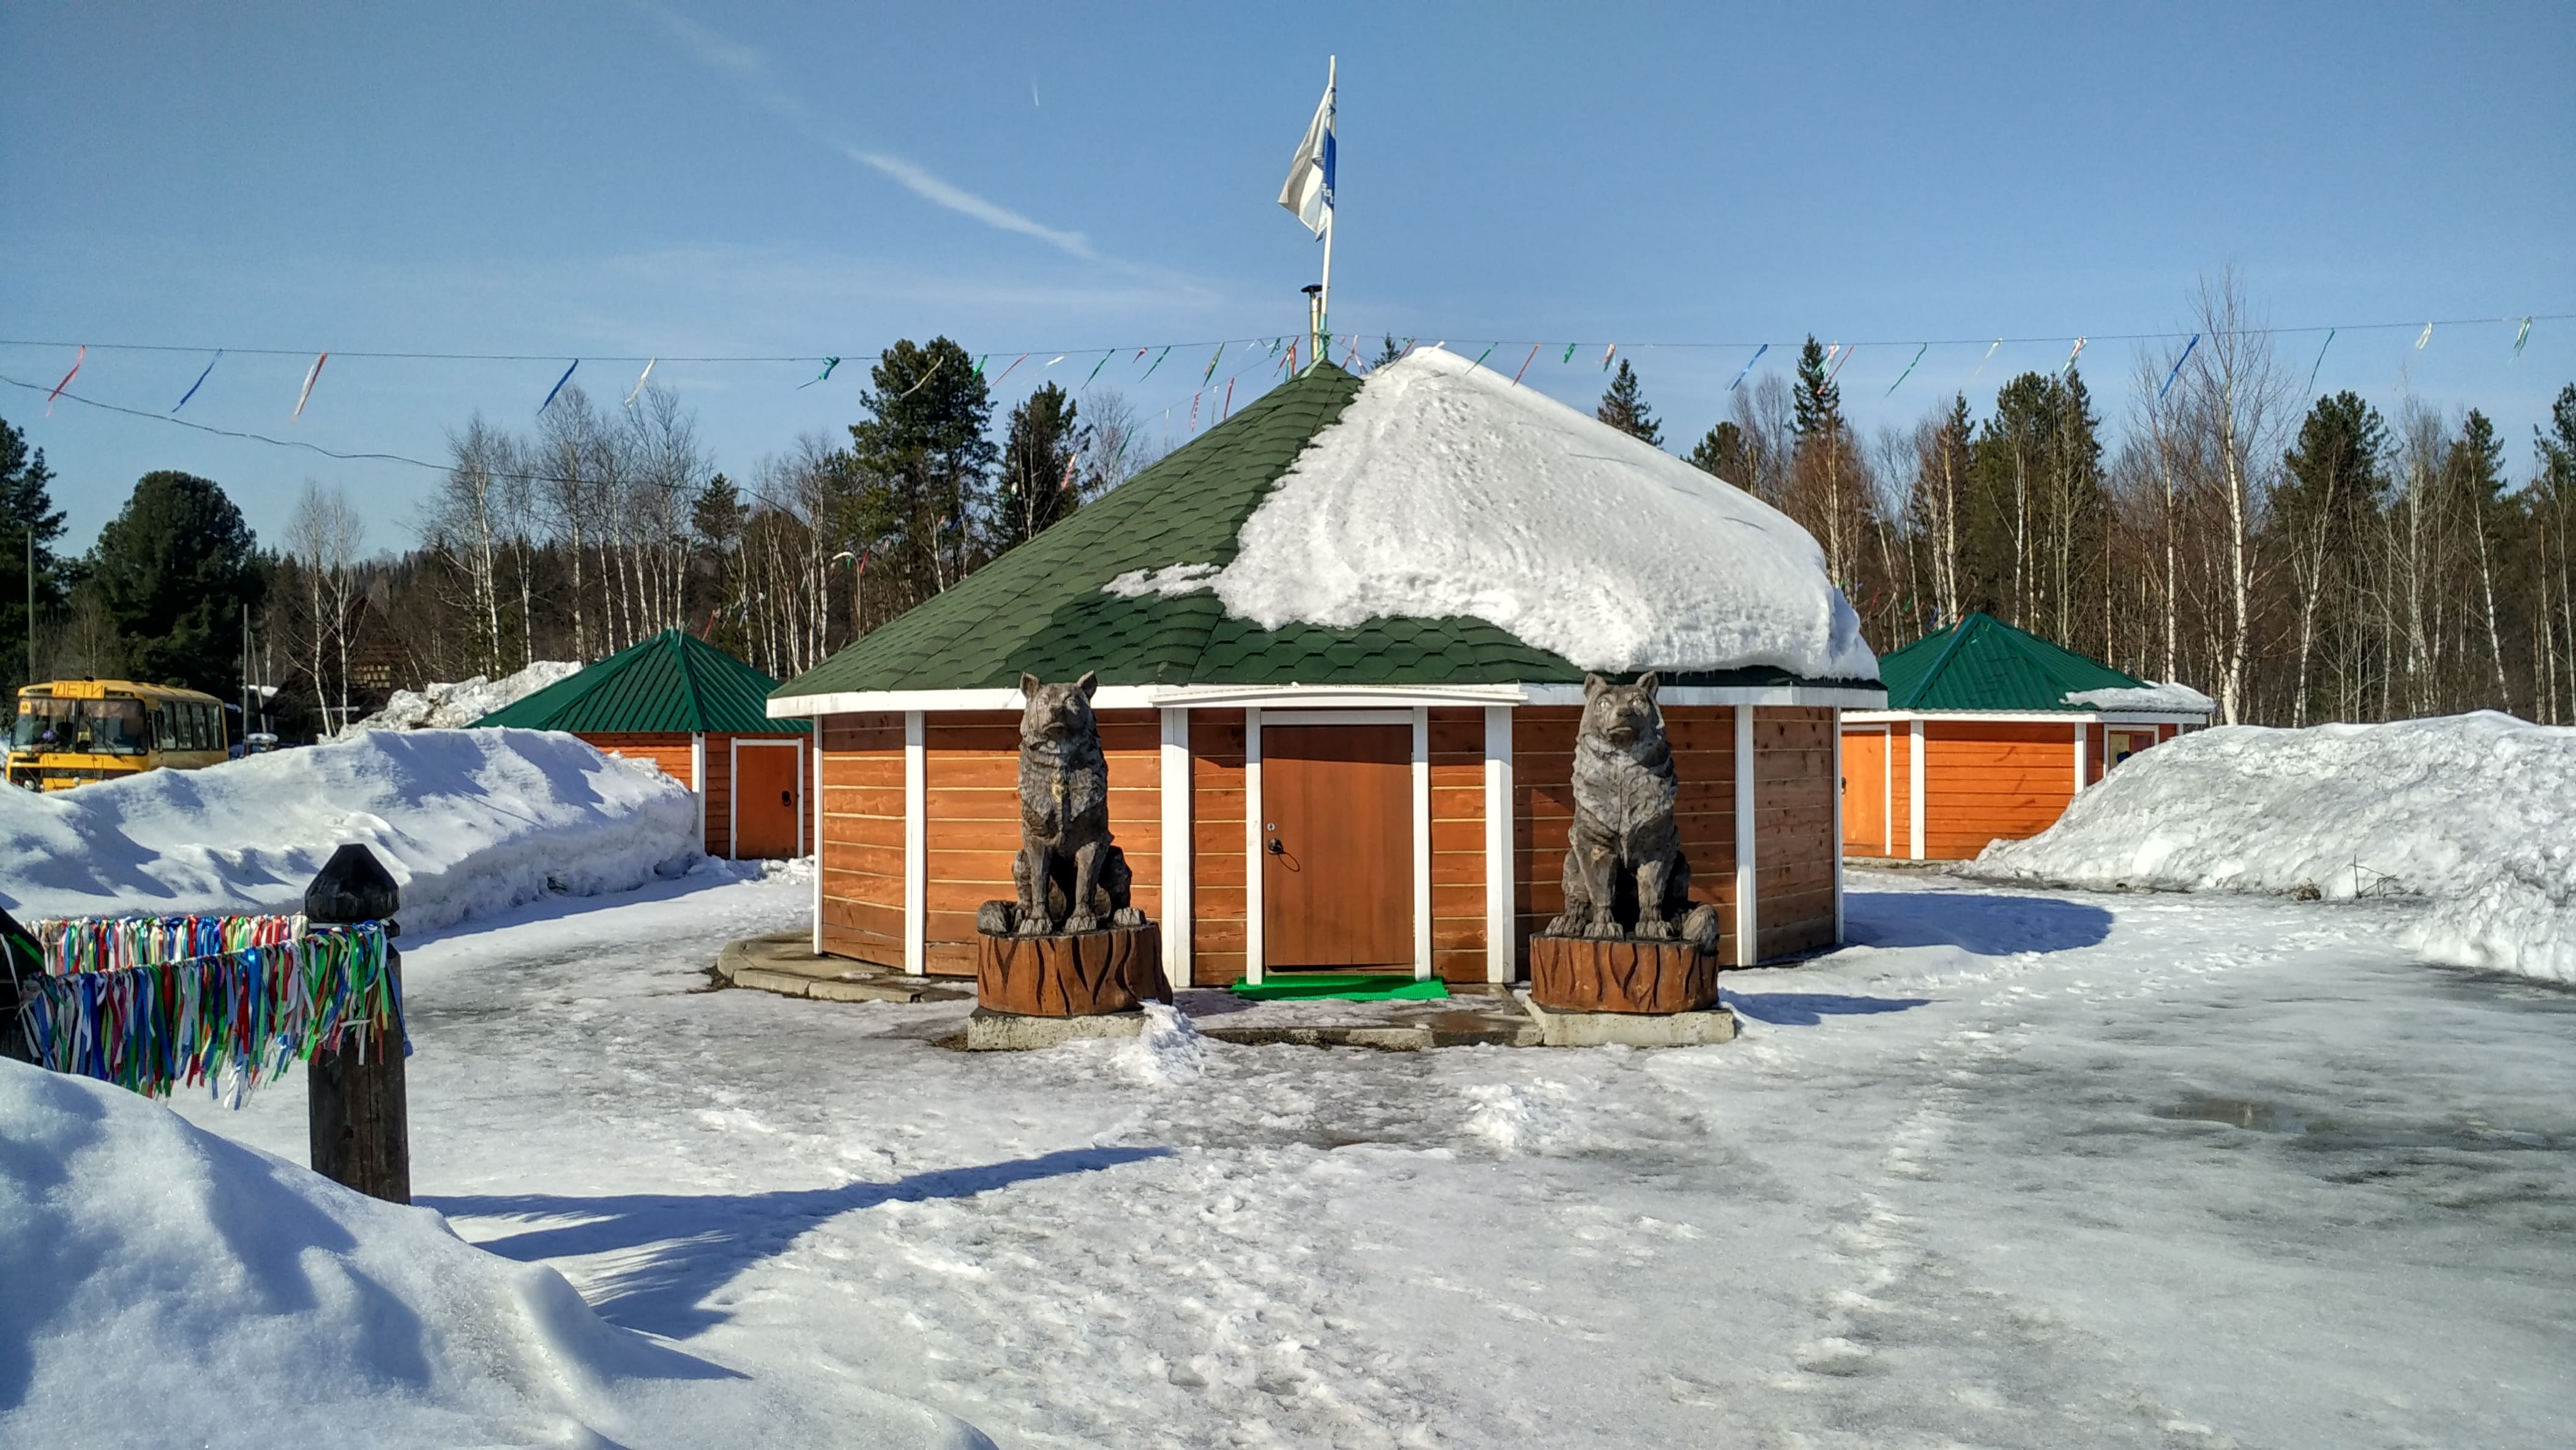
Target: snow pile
(1517,1118)
(1444,490)
(169,1287)
(1169,1052)
(2171,699)
(2476,812)
(467,821)
(453,707)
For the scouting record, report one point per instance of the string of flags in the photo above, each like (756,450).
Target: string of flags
(153,1004)
(1838,356)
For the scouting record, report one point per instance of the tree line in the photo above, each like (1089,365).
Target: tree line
(2301,564)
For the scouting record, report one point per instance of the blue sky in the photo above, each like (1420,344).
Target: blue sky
(603,178)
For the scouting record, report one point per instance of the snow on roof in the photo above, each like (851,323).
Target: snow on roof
(1445,490)
(2171,699)
(2471,811)
(455,706)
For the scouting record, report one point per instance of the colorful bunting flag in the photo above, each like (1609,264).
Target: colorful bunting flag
(2427,337)
(1909,371)
(1006,372)
(1213,359)
(550,392)
(1569,355)
(309,379)
(2521,335)
(1158,361)
(218,357)
(77,359)
(2195,342)
(1605,357)
(2071,356)
(1525,362)
(2312,367)
(1748,366)
(1480,357)
(641,378)
(1981,362)
(1104,362)
(829,363)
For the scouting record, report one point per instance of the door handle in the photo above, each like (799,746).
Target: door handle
(786,798)
(1275,848)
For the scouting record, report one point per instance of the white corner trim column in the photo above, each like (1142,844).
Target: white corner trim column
(1179,848)
(818,836)
(1834,719)
(1748,916)
(802,847)
(1252,862)
(1421,843)
(916,846)
(1887,784)
(1914,787)
(733,796)
(2081,731)
(1502,928)
(698,782)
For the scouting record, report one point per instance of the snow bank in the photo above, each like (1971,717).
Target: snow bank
(1444,490)
(467,821)
(170,1287)
(453,707)
(2161,699)
(2476,812)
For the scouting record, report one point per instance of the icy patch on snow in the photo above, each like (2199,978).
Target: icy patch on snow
(455,706)
(2174,699)
(1443,490)
(467,822)
(1515,1118)
(1168,1053)
(2473,811)
(169,1287)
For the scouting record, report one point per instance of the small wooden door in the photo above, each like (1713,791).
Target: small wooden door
(1865,792)
(766,789)
(1337,846)
(2121,744)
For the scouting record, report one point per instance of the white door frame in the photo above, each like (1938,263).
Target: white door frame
(733,797)
(1254,719)
(1180,848)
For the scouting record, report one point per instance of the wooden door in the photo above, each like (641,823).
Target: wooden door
(766,790)
(1337,846)
(1865,792)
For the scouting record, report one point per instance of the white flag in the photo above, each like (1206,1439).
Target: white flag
(1309,192)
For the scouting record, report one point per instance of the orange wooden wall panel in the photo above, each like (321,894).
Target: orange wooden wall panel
(1217,937)
(1985,781)
(1703,744)
(1793,803)
(1458,844)
(862,847)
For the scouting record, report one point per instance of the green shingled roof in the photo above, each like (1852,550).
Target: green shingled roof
(672,681)
(1042,607)
(1982,663)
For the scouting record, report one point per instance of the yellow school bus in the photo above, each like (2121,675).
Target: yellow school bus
(72,732)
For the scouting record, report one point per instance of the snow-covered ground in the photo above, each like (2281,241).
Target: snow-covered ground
(467,821)
(455,706)
(2476,812)
(2025,1169)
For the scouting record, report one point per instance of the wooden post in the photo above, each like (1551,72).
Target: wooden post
(360,1115)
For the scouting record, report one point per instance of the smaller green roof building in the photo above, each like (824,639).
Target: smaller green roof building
(1989,733)
(700,716)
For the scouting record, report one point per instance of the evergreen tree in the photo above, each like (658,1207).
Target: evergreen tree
(923,464)
(1819,401)
(1624,409)
(1041,480)
(1721,452)
(2474,471)
(2327,508)
(1387,354)
(718,514)
(174,571)
(2556,445)
(26,510)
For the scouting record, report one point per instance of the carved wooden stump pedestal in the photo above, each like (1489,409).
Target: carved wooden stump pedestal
(1621,974)
(1112,970)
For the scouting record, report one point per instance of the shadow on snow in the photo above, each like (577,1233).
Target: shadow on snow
(1810,1009)
(1990,926)
(694,1244)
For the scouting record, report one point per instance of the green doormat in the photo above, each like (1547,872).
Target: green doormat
(1341,986)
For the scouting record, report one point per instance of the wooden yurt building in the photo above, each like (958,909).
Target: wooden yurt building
(1988,734)
(701,716)
(1341,642)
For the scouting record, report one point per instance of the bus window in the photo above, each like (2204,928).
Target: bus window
(210,728)
(109,727)
(43,724)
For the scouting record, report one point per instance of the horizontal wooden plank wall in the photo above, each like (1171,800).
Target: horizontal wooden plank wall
(1703,741)
(862,851)
(1985,781)
(1216,850)
(1900,809)
(971,762)
(1793,803)
(1458,844)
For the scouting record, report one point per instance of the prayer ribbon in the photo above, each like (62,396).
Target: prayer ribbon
(311,376)
(2520,337)
(2312,367)
(219,353)
(1006,372)
(77,359)
(1480,357)
(1194,409)
(1104,362)
(1748,366)
(1525,362)
(1051,362)
(1909,371)
(558,387)
(829,363)
(2071,357)
(1158,361)
(637,391)
(1223,412)
(2427,337)
(1213,359)
(1838,367)
(1605,357)
(1989,357)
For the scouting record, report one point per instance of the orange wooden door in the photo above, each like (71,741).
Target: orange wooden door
(766,789)
(1865,792)
(1337,846)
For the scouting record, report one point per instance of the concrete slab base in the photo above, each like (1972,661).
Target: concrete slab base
(990,1031)
(1620,1029)
(784,963)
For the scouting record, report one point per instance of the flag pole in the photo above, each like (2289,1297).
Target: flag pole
(1324,303)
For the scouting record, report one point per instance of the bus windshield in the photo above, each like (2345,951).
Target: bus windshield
(79,727)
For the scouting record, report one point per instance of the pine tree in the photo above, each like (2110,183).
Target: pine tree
(1041,482)
(1722,453)
(924,464)
(1624,409)
(1387,354)
(26,509)
(2327,504)
(1819,400)
(175,570)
